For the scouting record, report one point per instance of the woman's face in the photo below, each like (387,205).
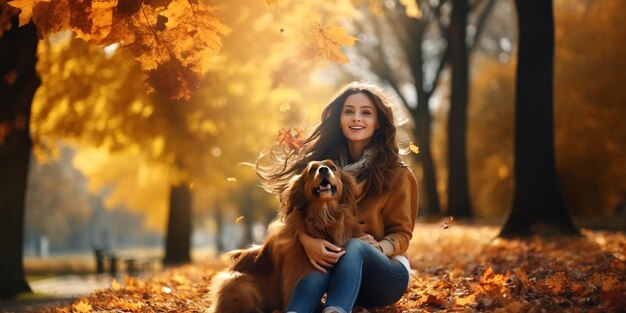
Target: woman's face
(359,118)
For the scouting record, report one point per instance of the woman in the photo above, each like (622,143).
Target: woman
(358,132)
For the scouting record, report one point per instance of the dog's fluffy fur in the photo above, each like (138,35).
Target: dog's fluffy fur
(320,202)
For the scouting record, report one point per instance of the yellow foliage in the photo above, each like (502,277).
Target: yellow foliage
(325,42)
(133,181)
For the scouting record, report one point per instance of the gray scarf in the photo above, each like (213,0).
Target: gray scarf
(358,168)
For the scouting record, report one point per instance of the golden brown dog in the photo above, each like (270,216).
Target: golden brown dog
(320,202)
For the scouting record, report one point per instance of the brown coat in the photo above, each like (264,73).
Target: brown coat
(390,216)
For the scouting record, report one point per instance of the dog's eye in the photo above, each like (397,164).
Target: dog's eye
(333,168)
(312,170)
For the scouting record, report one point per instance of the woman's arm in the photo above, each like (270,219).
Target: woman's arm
(399,213)
(321,253)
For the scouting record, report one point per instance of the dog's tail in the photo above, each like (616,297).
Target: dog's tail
(234,292)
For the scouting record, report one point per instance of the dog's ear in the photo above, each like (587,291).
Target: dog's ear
(294,197)
(349,190)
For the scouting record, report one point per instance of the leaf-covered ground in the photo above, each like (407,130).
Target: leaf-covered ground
(456,269)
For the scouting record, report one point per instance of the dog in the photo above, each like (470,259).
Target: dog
(321,202)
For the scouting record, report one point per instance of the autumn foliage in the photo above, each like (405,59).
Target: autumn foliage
(456,269)
(173,40)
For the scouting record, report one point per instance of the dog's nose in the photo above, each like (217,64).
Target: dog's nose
(324,170)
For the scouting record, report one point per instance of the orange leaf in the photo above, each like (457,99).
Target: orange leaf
(556,282)
(291,139)
(26,7)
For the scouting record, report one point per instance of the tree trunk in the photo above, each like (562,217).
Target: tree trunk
(18,82)
(537,200)
(178,238)
(458,188)
(421,116)
(219,245)
(422,119)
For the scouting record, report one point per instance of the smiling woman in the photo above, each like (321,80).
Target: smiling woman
(358,133)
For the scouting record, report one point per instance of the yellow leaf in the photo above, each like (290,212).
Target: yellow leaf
(231,179)
(239,219)
(26,7)
(115,285)
(415,149)
(82,307)
(412,10)
(326,42)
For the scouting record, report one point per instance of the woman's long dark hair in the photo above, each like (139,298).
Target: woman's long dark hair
(327,142)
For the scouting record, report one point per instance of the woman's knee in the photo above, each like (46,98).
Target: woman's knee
(356,246)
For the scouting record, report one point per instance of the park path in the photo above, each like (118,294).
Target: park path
(58,291)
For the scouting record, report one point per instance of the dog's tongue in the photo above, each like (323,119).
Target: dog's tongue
(327,187)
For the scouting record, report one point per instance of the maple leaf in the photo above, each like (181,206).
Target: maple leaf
(196,30)
(26,7)
(325,43)
(82,307)
(174,80)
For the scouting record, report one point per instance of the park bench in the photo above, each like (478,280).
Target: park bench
(107,259)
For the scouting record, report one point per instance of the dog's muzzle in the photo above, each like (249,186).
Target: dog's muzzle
(325,188)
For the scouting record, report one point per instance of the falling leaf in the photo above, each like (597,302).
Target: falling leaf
(412,10)
(231,179)
(446,224)
(326,42)
(239,219)
(291,139)
(82,307)
(415,149)
(285,106)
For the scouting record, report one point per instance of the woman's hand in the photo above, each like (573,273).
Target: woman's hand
(320,252)
(372,241)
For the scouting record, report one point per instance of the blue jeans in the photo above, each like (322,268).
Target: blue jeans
(362,276)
